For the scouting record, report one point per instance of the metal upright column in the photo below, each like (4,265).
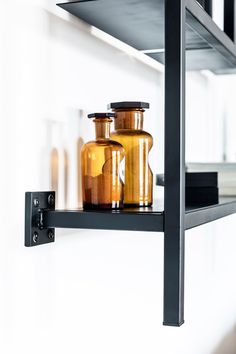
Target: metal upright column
(229,18)
(174,162)
(207,5)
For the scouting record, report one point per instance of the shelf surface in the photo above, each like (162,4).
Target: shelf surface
(139,219)
(196,216)
(140,24)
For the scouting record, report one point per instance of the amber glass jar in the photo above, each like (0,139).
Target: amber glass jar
(102,167)
(137,143)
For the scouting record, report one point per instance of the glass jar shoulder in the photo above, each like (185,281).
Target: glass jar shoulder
(128,136)
(131,132)
(102,145)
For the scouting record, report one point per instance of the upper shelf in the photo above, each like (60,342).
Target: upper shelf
(140,24)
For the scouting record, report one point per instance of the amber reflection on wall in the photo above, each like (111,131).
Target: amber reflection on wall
(54,166)
(66,177)
(80,143)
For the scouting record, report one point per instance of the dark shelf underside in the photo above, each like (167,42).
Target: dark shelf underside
(143,219)
(141,24)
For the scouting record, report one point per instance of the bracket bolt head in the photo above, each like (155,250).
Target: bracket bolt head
(35,237)
(50,234)
(36,202)
(51,200)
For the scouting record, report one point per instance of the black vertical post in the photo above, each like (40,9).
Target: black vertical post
(175,14)
(208,7)
(229,18)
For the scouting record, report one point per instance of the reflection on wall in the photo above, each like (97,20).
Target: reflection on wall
(54,170)
(66,180)
(58,184)
(64,140)
(82,125)
(80,143)
(58,161)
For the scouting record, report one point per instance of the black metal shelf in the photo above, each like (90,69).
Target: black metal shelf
(141,25)
(140,219)
(135,219)
(196,216)
(169,31)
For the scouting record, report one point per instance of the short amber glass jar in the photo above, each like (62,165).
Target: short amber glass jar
(137,144)
(102,167)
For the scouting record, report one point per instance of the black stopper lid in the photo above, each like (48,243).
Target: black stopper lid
(128,104)
(101,115)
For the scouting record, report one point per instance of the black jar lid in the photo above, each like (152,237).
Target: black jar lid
(102,115)
(128,104)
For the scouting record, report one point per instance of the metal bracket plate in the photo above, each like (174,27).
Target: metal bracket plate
(35,204)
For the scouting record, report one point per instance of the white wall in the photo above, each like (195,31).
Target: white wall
(98,291)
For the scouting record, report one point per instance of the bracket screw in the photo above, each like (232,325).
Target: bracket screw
(50,234)
(51,200)
(35,237)
(36,202)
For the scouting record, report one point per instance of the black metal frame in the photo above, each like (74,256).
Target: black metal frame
(45,218)
(174,200)
(207,5)
(41,217)
(229,18)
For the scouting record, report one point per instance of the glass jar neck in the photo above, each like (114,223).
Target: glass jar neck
(102,128)
(129,119)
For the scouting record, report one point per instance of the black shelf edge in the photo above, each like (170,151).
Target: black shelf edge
(44,217)
(104,220)
(202,23)
(136,219)
(215,37)
(142,27)
(197,216)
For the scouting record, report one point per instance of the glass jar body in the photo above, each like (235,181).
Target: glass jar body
(102,179)
(138,175)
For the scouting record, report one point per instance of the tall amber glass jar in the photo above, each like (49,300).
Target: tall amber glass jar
(102,162)
(137,143)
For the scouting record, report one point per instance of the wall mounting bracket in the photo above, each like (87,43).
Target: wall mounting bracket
(35,205)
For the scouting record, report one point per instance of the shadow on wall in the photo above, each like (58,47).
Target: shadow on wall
(228,344)
(76,33)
